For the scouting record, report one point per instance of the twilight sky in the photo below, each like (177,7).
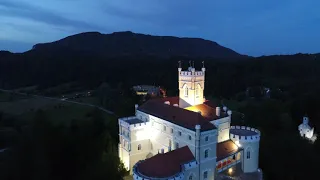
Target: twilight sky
(252,27)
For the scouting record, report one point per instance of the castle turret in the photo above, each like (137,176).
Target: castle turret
(248,139)
(191,86)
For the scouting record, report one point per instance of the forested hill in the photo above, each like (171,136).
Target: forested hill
(133,44)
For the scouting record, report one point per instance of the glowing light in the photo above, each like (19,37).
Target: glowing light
(237,143)
(230,170)
(192,108)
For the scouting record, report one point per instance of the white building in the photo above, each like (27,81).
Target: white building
(306,131)
(185,137)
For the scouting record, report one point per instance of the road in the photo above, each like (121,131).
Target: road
(57,99)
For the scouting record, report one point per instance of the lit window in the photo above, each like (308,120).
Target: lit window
(179,133)
(139,147)
(248,154)
(205,175)
(189,137)
(190,177)
(186,91)
(197,90)
(207,138)
(206,153)
(164,128)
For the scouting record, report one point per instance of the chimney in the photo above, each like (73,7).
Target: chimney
(218,111)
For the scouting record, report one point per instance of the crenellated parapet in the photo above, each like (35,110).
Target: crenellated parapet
(132,123)
(244,133)
(139,125)
(190,165)
(190,73)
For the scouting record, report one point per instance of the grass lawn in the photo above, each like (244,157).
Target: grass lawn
(4,96)
(57,111)
(90,100)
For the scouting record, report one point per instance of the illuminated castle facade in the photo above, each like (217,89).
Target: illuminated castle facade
(186,137)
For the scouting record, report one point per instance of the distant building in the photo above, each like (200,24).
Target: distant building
(186,137)
(306,131)
(146,90)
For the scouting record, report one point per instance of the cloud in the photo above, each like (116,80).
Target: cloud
(27,11)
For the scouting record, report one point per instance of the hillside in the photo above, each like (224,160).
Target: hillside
(133,44)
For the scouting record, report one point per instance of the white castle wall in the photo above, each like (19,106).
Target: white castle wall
(249,144)
(131,136)
(223,126)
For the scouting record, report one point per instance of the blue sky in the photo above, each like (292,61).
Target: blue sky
(249,27)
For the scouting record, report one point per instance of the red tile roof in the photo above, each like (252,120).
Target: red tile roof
(167,164)
(172,100)
(176,115)
(225,149)
(207,112)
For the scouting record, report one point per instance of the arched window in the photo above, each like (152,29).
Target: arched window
(186,91)
(198,90)
(248,154)
(207,138)
(206,153)
(139,147)
(205,175)
(190,177)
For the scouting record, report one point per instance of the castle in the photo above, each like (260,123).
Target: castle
(186,137)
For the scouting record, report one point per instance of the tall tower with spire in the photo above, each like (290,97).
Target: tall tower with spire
(191,86)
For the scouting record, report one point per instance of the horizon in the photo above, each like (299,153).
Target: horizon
(247,27)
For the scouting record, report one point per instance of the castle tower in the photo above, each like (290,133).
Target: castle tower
(248,139)
(191,86)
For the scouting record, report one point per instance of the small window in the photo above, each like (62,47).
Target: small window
(190,177)
(171,130)
(177,145)
(206,153)
(207,138)
(248,154)
(139,147)
(189,137)
(179,133)
(205,175)
(186,91)
(164,128)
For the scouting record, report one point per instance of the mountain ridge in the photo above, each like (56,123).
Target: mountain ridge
(127,43)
